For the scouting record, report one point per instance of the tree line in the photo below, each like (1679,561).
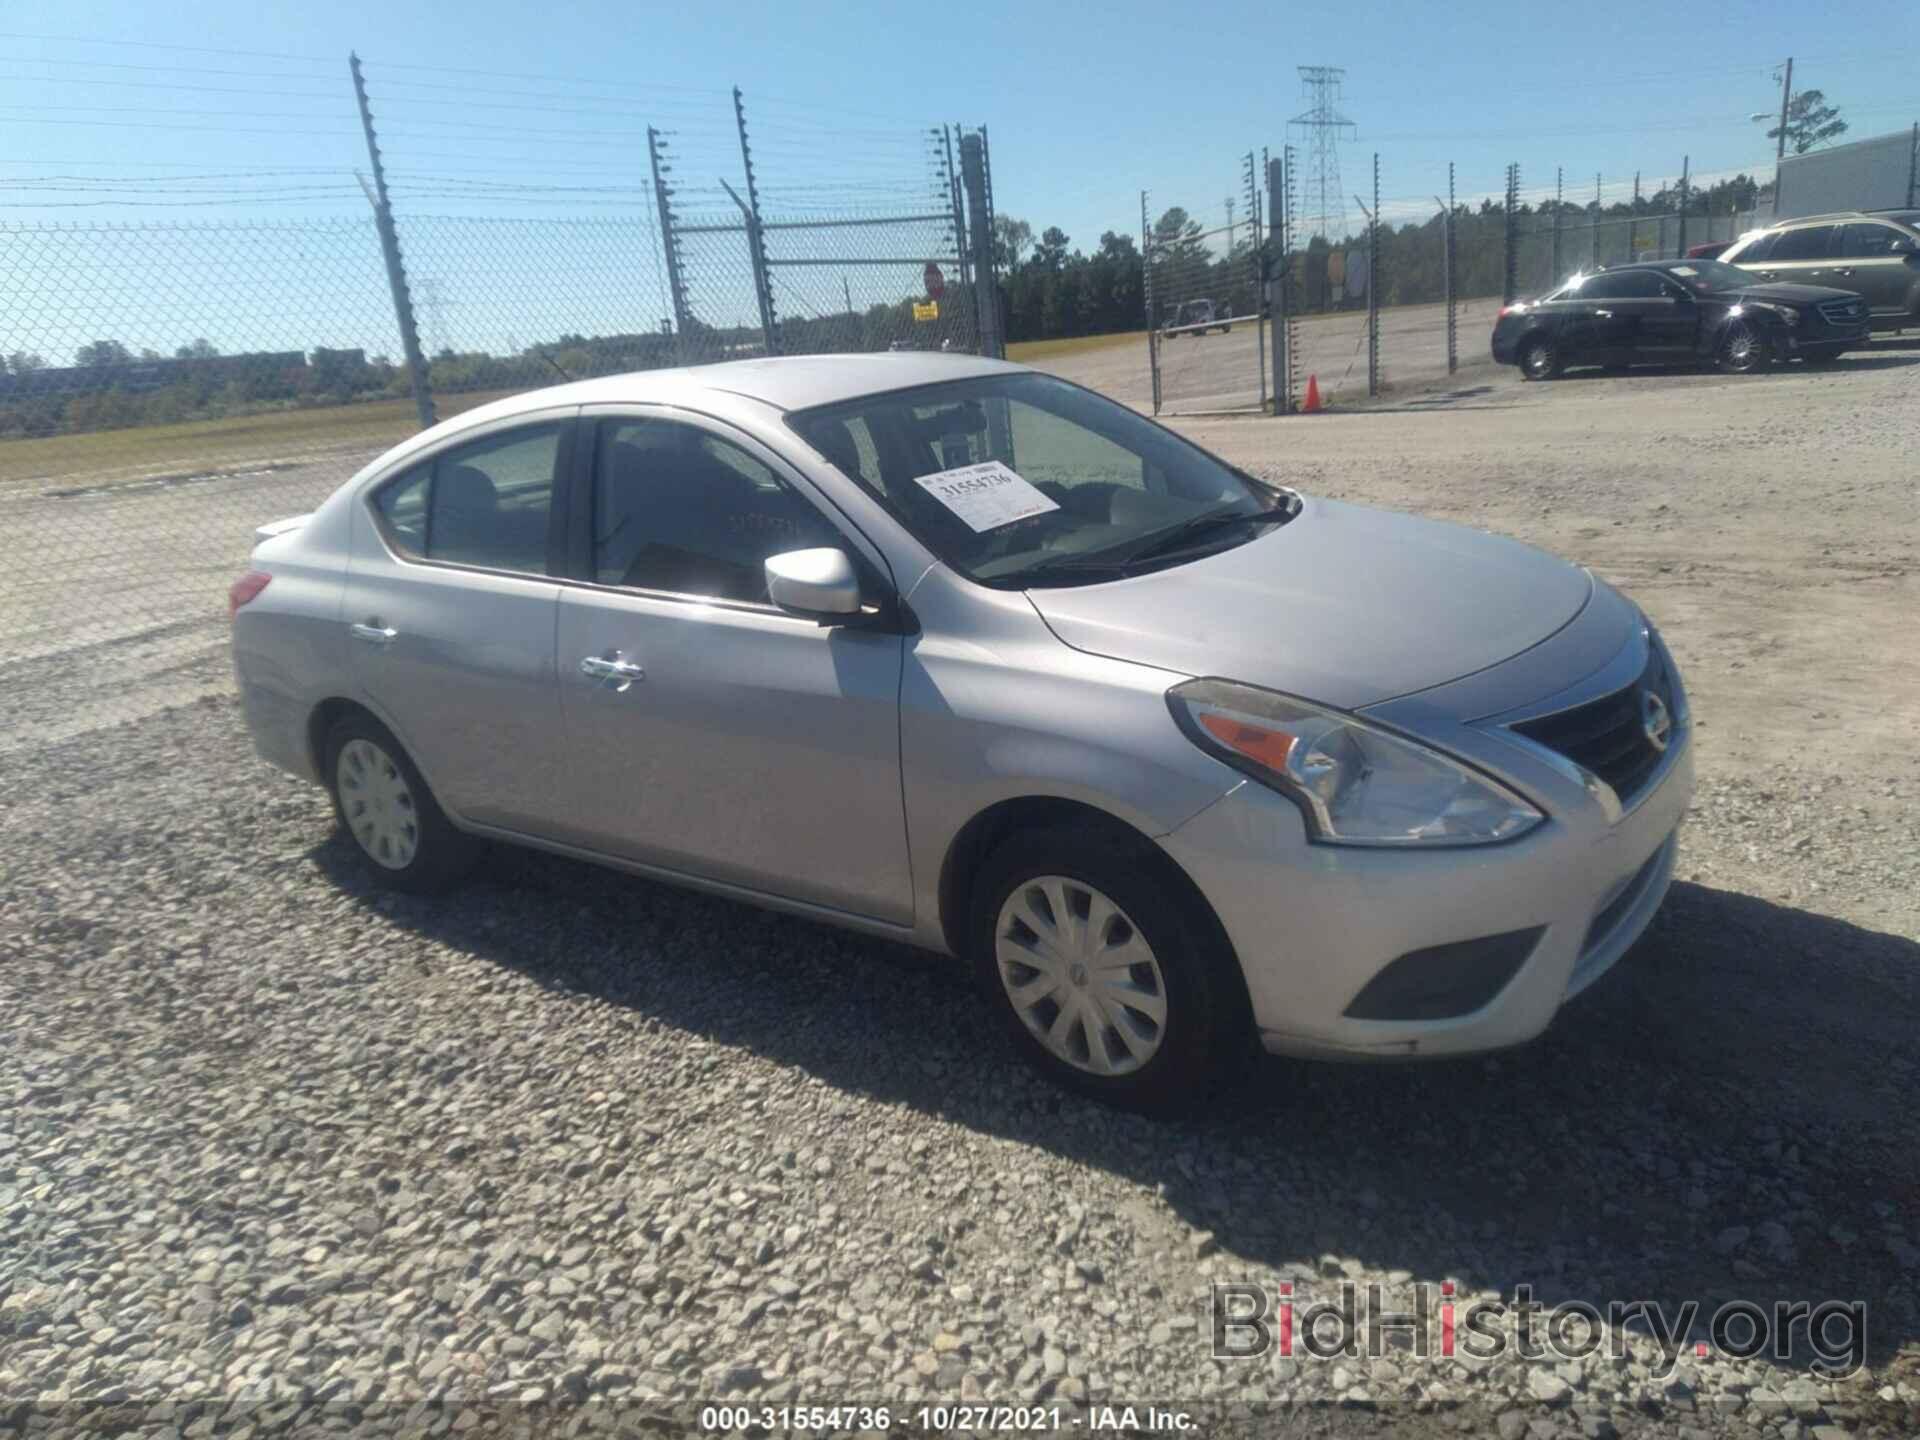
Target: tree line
(1053,291)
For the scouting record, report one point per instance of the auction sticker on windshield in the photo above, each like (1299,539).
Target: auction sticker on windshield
(986,496)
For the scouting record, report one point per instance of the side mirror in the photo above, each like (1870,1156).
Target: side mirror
(813,582)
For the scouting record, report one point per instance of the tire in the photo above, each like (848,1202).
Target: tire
(1187,973)
(384,807)
(1539,359)
(1741,350)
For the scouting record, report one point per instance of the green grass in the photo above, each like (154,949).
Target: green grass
(1025,352)
(211,444)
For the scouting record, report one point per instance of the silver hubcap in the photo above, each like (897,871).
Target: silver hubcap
(1539,359)
(1739,343)
(377,803)
(1080,976)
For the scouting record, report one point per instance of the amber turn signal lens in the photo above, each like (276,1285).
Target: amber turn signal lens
(1268,747)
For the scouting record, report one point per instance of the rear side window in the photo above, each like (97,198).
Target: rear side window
(1808,244)
(487,504)
(1867,242)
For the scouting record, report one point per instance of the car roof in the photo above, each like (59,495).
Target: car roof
(784,383)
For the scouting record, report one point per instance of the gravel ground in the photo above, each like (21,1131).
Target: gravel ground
(278,1147)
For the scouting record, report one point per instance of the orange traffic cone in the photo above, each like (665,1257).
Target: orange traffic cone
(1312,407)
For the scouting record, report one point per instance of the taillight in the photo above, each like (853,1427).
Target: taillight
(244,589)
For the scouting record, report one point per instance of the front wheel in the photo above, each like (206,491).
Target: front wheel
(1102,974)
(1741,350)
(381,800)
(1540,359)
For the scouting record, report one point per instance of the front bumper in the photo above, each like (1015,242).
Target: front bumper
(1313,924)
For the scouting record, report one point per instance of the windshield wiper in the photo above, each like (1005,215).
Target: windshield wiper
(1194,526)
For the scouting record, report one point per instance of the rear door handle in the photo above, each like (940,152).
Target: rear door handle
(373,634)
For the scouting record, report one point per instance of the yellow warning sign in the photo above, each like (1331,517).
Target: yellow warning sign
(928,311)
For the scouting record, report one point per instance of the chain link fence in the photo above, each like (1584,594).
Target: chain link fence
(165,388)
(1406,294)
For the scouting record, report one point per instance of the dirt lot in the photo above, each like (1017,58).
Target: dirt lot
(277,1146)
(1214,372)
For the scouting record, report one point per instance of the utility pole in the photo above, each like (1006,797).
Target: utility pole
(1780,148)
(1786,96)
(390,250)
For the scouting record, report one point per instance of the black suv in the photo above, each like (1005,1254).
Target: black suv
(1874,254)
(1677,312)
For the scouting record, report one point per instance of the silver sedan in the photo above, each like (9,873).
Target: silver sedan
(953,652)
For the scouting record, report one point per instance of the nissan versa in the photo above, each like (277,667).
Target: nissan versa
(952,652)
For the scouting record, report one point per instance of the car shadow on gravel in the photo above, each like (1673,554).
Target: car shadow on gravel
(1873,357)
(1727,1115)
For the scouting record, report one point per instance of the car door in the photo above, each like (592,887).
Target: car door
(1598,326)
(1670,319)
(707,731)
(1799,255)
(450,606)
(1874,261)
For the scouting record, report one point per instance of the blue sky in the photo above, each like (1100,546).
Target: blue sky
(1086,105)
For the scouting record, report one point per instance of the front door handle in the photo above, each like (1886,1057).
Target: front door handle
(1768,275)
(617,673)
(373,634)
(1844,271)
(1603,314)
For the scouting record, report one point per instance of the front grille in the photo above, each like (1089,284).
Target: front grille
(1608,736)
(1843,312)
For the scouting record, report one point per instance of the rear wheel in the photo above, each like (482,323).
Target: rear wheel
(384,804)
(1102,974)
(1540,359)
(1741,350)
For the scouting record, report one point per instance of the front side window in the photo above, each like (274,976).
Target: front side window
(1750,252)
(487,504)
(678,509)
(1022,479)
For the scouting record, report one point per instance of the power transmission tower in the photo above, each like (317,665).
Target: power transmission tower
(1323,208)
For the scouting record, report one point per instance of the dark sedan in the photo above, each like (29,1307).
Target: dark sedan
(1675,312)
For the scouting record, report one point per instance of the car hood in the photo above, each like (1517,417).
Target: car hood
(1343,605)
(1786,290)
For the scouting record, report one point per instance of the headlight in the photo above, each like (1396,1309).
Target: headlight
(1785,314)
(1356,783)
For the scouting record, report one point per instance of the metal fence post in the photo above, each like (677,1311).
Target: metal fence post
(1686,164)
(1274,292)
(1146,290)
(1453,281)
(417,373)
(670,244)
(1373,284)
(1913,164)
(1511,286)
(959,216)
(756,237)
(1559,200)
(986,284)
(1595,236)
(1256,266)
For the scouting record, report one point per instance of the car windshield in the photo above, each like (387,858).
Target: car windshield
(1021,479)
(1709,275)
